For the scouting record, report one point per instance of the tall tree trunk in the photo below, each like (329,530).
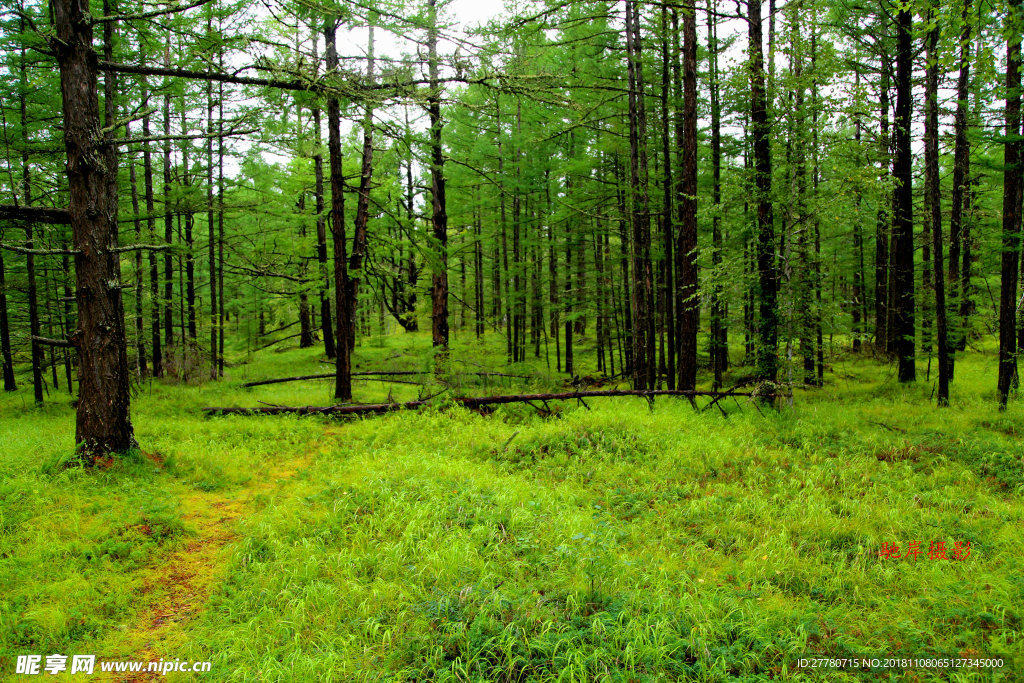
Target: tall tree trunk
(103,424)
(903,223)
(210,225)
(669,293)
(857,310)
(168,213)
(140,328)
(933,201)
(321,230)
(768,333)
(5,333)
(961,179)
(439,215)
(719,328)
(220,212)
(686,246)
(190,221)
(343,363)
(882,331)
(1011,215)
(355,266)
(154,273)
(643,321)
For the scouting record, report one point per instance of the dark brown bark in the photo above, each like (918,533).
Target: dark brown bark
(33,297)
(5,333)
(210,225)
(719,325)
(321,231)
(34,214)
(168,300)
(903,220)
(473,402)
(1011,218)
(362,217)
(858,309)
(768,334)
(141,367)
(439,214)
(343,365)
(103,424)
(961,176)
(154,274)
(644,367)
(882,331)
(933,204)
(668,293)
(687,301)
(220,211)
(189,224)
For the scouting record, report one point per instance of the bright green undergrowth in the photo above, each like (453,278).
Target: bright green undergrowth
(619,542)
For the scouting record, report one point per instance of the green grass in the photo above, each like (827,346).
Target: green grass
(617,543)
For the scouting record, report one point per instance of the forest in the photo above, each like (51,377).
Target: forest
(550,340)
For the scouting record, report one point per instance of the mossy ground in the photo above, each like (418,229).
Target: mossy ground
(619,542)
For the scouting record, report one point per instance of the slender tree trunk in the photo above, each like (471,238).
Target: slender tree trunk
(321,231)
(768,335)
(669,293)
(882,331)
(343,364)
(903,224)
(210,225)
(439,215)
(140,328)
(103,424)
(168,214)
(644,367)
(719,327)
(355,266)
(933,203)
(5,333)
(686,246)
(154,274)
(189,221)
(961,178)
(220,213)
(1011,217)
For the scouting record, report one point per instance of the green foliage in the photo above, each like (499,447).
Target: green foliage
(619,542)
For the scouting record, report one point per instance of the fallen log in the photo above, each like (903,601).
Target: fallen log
(467,401)
(396,373)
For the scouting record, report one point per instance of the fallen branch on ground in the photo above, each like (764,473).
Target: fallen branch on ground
(467,401)
(396,373)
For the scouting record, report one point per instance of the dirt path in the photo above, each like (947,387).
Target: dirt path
(180,585)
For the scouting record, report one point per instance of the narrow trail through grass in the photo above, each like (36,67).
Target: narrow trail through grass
(629,541)
(178,586)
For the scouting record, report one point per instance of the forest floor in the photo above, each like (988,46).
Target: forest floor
(619,542)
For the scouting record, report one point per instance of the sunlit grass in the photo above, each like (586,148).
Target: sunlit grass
(615,542)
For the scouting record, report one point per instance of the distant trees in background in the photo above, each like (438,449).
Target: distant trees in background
(655,190)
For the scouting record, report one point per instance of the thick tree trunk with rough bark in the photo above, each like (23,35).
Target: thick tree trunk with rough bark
(644,367)
(439,214)
(687,300)
(768,333)
(933,204)
(103,424)
(903,220)
(961,177)
(362,217)
(1011,221)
